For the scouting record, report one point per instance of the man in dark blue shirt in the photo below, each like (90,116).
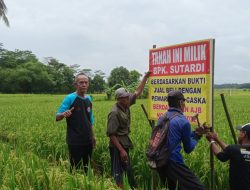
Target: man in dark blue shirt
(77,109)
(175,172)
(238,155)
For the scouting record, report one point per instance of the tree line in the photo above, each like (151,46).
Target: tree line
(235,85)
(22,72)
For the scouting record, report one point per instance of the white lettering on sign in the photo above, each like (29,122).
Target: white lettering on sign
(195,53)
(161,57)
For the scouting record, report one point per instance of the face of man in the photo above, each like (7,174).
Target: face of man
(82,84)
(182,104)
(124,101)
(242,136)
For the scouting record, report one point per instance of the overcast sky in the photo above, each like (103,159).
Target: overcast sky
(105,34)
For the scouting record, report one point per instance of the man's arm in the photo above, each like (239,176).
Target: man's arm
(215,149)
(214,137)
(65,114)
(93,137)
(59,117)
(221,143)
(221,155)
(141,86)
(112,129)
(64,110)
(189,143)
(116,143)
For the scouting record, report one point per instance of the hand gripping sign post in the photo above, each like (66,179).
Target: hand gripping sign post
(187,68)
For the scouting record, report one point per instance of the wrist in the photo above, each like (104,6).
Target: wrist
(197,136)
(121,150)
(212,142)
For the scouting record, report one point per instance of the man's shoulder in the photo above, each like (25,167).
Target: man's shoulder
(132,99)
(71,95)
(69,98)
(238,147)
(114,110)
(181,119)
(89,97)
(232,148)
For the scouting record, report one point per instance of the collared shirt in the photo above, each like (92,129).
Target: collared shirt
(179,131)
(79,124)
(119,123)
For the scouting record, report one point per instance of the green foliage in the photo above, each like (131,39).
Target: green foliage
(21,72)
(233,86)
(97,84)
(62,76)
(118,75)
(121,77)
(13,59)
(3,10)
(33,153)
(134,76)
(110,90)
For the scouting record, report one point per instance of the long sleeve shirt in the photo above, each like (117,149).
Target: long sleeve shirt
(179,132)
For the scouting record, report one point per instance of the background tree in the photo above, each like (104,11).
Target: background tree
(97,84)
(118,75)
(21,72)
(62,76)
(3,11)
(87,72)
(134,76)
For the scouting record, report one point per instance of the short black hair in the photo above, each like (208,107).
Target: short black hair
(174,102)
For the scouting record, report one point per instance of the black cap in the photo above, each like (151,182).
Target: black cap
(176,94)
(245,127)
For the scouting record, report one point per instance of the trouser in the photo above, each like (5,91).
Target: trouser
(79,156)
(118,167)
(179,175)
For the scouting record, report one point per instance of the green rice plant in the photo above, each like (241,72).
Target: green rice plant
(34,154)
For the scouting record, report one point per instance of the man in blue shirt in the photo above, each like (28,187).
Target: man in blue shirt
(175,172)
(77,109)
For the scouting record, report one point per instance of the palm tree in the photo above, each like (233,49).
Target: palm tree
(3,10)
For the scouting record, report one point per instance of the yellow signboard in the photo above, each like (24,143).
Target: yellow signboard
(187,68)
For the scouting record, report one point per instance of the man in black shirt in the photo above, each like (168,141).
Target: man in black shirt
(76,108)
(239,156)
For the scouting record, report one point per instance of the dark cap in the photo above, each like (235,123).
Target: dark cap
(121,93)
(176,94)
(245,127)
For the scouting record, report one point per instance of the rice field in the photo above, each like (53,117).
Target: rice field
(33,152)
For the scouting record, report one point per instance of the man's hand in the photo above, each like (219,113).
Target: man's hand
(199,131)
(203,129)
(141,86)
(212,136)
(124,156)
(68,113)
(147,74)
(209,136)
